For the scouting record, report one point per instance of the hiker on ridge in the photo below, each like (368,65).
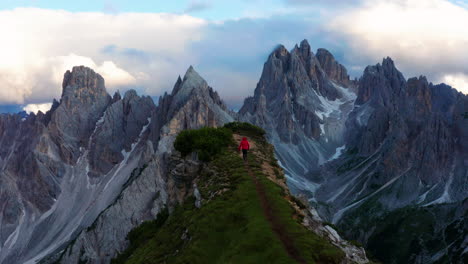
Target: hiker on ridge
(244,146)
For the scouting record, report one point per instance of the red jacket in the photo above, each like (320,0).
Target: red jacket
(244,144)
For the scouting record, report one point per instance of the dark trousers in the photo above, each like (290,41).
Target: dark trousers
(244,154)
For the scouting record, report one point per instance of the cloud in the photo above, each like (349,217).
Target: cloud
(39,45)
(136,50)
(197,6)
(232,56)
(113,75)
(457,80)
(35,108)
(423,36)
(147,51)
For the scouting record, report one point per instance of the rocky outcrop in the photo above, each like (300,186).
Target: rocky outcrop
(161,179)
(79,177)
(334,70)
(152,188)
(117,130)
(192,104)
(302,109)
(84,99)
(59,170)
(401,143)
(404,148)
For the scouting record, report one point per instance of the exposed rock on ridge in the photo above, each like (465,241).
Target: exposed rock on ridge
(302,109)
(84,99)
(155,183)
(332,68)
(403,149)
(51,177)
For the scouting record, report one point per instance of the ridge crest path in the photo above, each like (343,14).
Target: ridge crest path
(268,211)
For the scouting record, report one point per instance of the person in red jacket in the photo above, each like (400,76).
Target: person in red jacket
(244,146)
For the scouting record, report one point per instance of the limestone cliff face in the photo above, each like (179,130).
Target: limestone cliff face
(95,166)
(59,170)
(192,104)
(161,180)
(302,108)
(334,70)
(117,130)
(403,140)
(400,143)
(405,146)
(84,99)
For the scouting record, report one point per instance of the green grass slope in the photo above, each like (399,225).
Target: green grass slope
(231,225)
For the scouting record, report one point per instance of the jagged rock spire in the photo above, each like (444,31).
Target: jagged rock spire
(332,68)
(84,100)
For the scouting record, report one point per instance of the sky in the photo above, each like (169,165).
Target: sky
(146,44)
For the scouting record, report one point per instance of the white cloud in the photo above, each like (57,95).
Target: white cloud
(423,36)
(35,108)
(459,80)
(39,45)
(147,51)
(113,75)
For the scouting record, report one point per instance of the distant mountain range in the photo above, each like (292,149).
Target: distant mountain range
(383,158)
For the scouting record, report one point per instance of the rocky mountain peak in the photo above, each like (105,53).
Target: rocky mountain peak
(82,78)
(324,54)
(177,86)
(304,49)
(116,97)
(280,51)
(193,77)
(381,84)
(84,100)
(130,94)
(192,80)
(305,44)
(388,63)
(191,104)
(419,92)
(332,68)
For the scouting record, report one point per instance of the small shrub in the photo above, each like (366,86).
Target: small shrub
(278,174)
(356,243)
(207,142)
(245,127)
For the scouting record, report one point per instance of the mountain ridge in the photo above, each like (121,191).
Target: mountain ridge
(53,170)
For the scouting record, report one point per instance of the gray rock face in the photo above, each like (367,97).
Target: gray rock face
(59,170)
(84,99)
(160,179)
(117,130)
(332,68)
(192,104)
(28,179)
(401,143)
(406,146)
(95,166)
(302,109)
(407,140)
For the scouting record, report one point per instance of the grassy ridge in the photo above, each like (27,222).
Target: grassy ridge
(231,226)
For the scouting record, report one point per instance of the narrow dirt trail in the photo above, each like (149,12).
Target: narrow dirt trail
(276,225)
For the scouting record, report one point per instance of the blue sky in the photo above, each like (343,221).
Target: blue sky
(145,45)
(210,9)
